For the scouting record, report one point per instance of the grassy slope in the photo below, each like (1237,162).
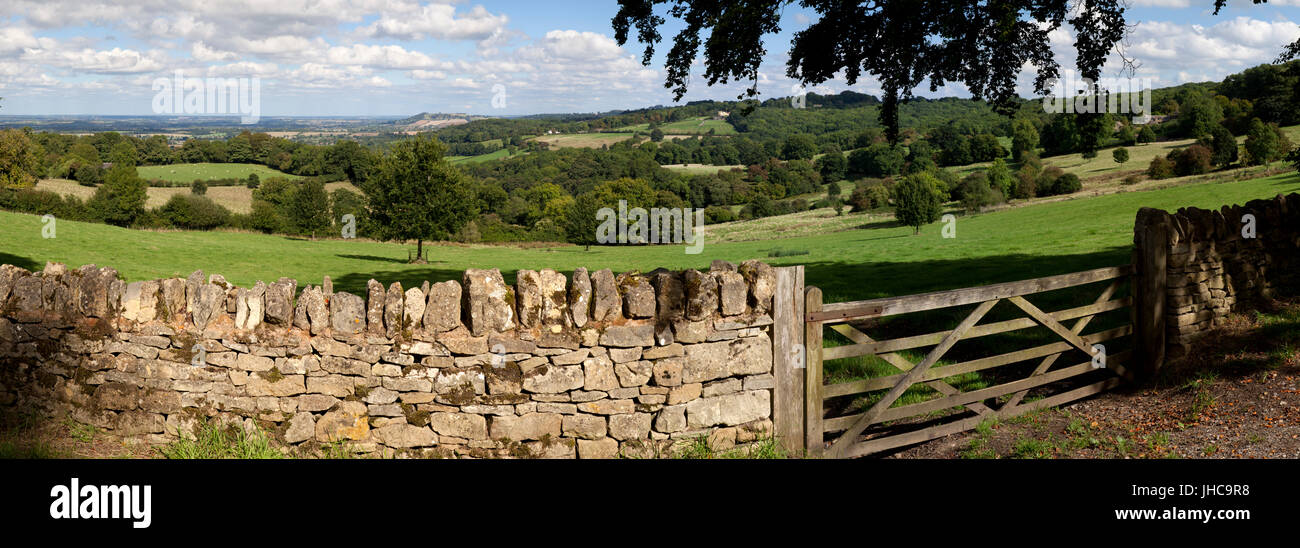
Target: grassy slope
(238,199)
(185,173)
(494,155)
(583,140)
(876,259)
(693,126)
(698,169)
(1104,164)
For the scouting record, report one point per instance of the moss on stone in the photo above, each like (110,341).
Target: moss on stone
(415,416)
(272,376)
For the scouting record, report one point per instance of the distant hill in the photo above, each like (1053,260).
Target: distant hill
(432,121)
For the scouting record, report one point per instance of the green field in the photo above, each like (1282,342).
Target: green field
(185,173)
(874,259)
(494,155)
(238,199)
(1104,165)
(698,169)
(583,140)
(694,126)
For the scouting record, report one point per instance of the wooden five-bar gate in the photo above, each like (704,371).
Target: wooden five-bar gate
(872,423)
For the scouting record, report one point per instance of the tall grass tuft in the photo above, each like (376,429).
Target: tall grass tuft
(222,441)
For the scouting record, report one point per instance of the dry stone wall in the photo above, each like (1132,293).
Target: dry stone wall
(597,366)
(1218,262)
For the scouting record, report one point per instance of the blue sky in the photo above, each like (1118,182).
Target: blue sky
(400,57)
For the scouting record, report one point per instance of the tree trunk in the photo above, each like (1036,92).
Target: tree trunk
(419,249)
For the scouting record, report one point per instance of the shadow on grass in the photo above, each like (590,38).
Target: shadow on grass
(375,258)
(853,281)
(355,282)
(16,260)
(1292,179)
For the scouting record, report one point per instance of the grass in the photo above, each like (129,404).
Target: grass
(214,440)
(185,173)
(694,126)
(238,199)
(1105,166)
(494,155)
(699,448)
(979,447)
(1012,244)
(699,169)
(583,140)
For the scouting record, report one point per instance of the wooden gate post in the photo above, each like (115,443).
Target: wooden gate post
(1151,233)
(813,379)
(788,359)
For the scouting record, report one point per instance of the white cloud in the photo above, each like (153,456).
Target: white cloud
(439,21)
(1163,3)
(419,74)
(201,52)
(243,69)
(114,61)
(394,57)
(579,45)
(14,40)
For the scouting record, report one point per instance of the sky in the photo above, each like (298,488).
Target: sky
(402,57)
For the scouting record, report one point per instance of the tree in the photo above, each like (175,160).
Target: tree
(1147,135)
(656,135)
(350,159)
(311,208)
(240,149)
(1127,135)
(346,202)
(1160,168)
(1121,155)
(1068,183)
(1199,115)
(917,200)
(868,197)
(1024,139)
(416,194)
(832,165)
(1223,147)
(199,187)
(976,194)
(194,212)
(834,191)
(582,220)
(1193,160)
(958,153)
(120,200)
(253,181)
(86,153)
(265,217)
(1000,177)
(799,146)
(1262,144)
(19,160)
(986,148)
(878,160)
(920,156)
(89,175)
(900,43)
(1062,135)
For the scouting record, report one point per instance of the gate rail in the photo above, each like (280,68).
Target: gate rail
(838,316)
